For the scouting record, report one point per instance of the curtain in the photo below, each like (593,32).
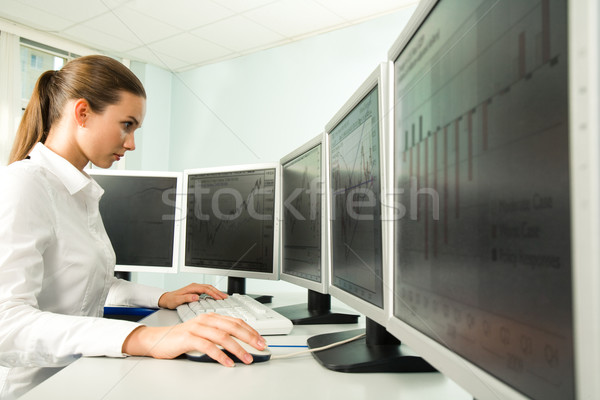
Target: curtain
(10,92)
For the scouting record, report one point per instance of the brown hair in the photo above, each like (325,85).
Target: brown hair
(97,79)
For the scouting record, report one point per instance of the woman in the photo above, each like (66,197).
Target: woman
(56,261)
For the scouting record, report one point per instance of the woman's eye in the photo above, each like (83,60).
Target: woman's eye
(127,125)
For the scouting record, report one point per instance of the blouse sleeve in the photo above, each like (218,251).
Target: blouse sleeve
(130,294)
(29,336)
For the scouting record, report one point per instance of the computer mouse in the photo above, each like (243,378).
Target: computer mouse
(257,355)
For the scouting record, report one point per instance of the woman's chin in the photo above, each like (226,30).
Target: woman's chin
(103,164)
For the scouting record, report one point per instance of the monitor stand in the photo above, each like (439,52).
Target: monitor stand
(238,285)
(379,351)
(316,311)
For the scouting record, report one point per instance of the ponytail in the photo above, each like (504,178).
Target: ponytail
(99,80)
(34,124)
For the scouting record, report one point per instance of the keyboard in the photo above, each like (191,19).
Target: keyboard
(263,319)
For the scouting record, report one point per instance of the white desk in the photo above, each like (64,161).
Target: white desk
(296,378)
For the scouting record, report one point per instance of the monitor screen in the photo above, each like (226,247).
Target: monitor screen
(230,224)
(140,212)
(302,192)
(305,237)
(355,180)
(360,243)
(483,253)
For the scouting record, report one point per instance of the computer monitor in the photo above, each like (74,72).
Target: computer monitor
(141,212)
(359,243)
(304,235)
(231,223)
(496,162)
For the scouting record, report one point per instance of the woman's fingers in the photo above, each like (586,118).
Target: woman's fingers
(209,338)
(233,326)
(207,333)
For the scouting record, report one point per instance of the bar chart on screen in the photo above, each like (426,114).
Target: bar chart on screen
(445,142)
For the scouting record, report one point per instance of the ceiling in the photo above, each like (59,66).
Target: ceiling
(181,34)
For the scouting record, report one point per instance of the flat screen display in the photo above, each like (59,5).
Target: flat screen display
(483,254)
(230,220)
(138,213)
(302,192)
(355,179)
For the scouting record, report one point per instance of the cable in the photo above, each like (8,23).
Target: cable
(329,346)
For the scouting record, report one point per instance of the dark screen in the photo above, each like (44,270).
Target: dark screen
(483,257)
(139,217)
(356,241)
(302,189)
(230,220)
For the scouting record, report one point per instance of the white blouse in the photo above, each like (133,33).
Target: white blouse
(56,273)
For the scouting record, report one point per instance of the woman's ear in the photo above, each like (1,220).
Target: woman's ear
(82,111)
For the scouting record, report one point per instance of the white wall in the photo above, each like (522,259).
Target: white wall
(262,106)
(153,140)
(274,100)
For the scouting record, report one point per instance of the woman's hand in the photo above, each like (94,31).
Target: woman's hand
(202,333)
(188,294)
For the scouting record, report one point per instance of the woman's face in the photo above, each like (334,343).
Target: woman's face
(107,136)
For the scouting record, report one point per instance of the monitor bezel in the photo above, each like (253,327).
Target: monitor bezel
(320,287)
(274,274)
(380,78)
(584,95)
(584,123)
(174,268)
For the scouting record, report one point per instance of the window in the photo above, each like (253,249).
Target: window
(37,58)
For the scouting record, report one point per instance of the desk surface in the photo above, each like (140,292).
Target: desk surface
(295,378)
